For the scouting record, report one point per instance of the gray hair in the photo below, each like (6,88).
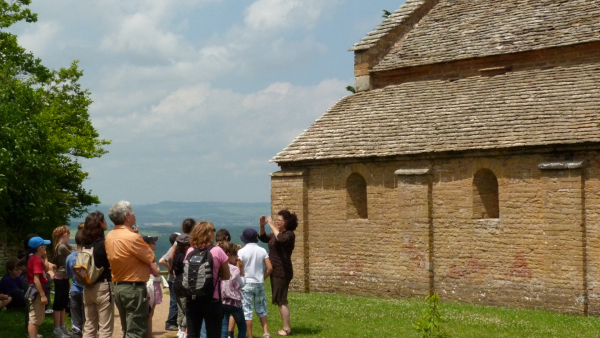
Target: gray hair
(117,212)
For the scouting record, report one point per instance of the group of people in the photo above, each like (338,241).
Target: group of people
(127,275)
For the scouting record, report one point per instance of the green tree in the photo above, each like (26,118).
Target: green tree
(44,130)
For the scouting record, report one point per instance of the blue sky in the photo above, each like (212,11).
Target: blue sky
(198,95)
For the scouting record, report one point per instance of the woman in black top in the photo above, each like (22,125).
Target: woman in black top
(97,298)
(281,243)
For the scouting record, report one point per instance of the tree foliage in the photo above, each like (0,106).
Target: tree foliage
(45,129)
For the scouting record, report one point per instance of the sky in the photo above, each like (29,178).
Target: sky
(198,95)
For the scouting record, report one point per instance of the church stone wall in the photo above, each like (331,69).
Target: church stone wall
(542,252)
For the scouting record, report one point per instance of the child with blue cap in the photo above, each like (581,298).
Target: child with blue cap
(35,278)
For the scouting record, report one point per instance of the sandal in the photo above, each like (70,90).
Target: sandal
(286,333)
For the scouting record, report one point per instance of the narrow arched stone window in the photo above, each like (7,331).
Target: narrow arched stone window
(356,197)
(485,195)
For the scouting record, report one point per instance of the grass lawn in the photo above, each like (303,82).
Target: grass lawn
(338,316)
(12,324)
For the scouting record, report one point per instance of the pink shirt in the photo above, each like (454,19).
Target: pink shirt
(219,257)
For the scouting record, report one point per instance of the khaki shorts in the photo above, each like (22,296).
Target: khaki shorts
(37,311)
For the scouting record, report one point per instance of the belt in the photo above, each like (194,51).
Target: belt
(131,283)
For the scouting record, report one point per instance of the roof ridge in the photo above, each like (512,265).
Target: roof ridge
(398,17)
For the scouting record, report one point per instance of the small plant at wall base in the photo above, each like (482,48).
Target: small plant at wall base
(429,324)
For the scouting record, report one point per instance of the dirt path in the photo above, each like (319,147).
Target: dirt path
(161,312)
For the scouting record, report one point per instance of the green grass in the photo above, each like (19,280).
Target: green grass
(12,324)
(339,316)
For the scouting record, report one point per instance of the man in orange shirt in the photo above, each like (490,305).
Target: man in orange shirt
(129,257)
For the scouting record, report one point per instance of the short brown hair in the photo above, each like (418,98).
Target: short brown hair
(13,263)
(203,234)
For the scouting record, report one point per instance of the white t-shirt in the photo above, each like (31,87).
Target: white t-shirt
(253,257)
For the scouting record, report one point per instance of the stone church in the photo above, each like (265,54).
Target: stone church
(467,163)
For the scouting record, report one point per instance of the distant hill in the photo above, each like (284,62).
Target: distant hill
(164,218)
(173,213)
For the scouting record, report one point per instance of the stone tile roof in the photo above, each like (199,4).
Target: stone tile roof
(388,24)
(529,108)
(461,29)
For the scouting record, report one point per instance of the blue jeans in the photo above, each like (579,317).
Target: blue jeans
(203,330)
(172,318)
(238,316)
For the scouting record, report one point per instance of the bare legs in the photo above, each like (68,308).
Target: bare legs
(59,319)
(263,322)
(150,321)
(284,310)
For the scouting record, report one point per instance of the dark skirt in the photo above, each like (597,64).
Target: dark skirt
(279,290)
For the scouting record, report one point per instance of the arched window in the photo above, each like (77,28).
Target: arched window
(356,198)
(485,195)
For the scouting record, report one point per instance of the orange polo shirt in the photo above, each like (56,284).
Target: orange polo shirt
(128,254)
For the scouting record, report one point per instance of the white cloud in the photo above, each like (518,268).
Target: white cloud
(192,105)
(271,116)
(277,14)
(146,33)
(40,37)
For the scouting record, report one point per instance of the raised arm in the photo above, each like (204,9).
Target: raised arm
(263,221)
(142,251)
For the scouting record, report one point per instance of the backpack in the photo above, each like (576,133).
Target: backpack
(85,270)
(197,278)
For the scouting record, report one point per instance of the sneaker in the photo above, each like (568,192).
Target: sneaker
(67,332)
(171,328)
(59,334)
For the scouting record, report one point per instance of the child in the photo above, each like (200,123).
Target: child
(182,245)
(155,287)
(11,284)
(254,298)
(62,249)
(49,275)
(171,323)
(222,236)
(35,278)
(76,294)
(232,294)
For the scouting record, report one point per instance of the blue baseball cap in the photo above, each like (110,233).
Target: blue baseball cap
(36,242)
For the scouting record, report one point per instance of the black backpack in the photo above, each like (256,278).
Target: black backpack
(197,278)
